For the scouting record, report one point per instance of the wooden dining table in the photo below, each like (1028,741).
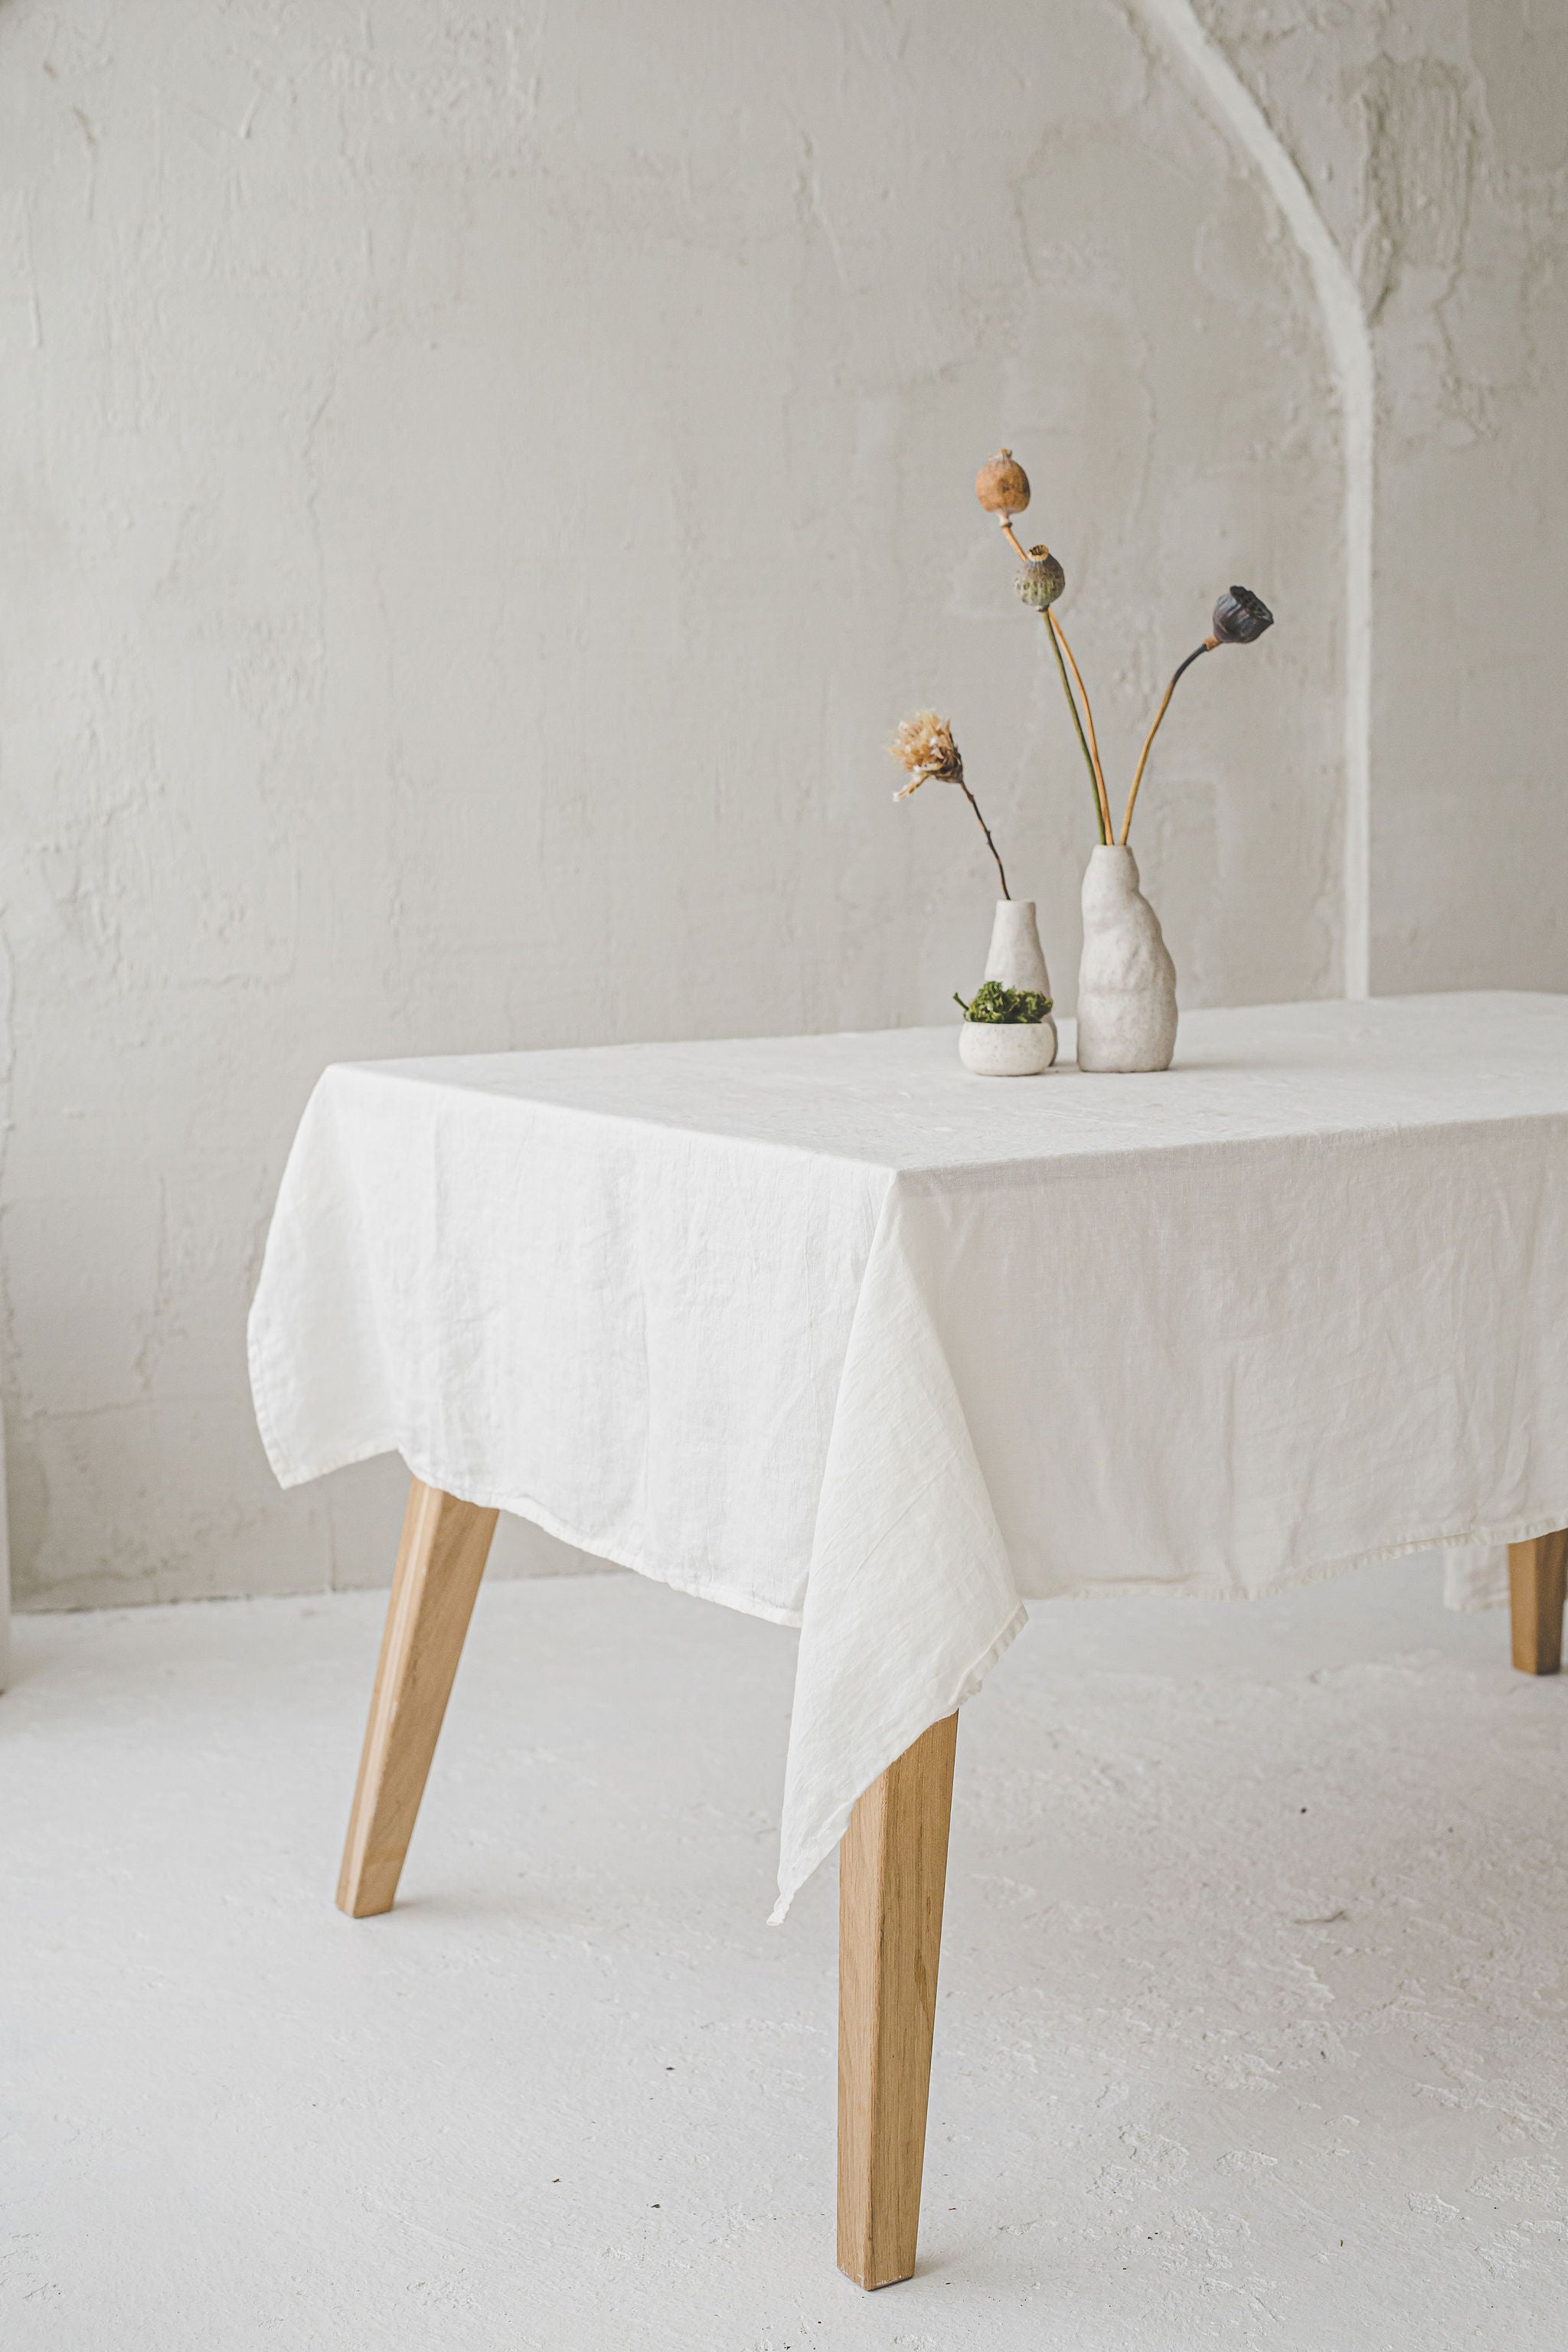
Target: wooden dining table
(832,1330)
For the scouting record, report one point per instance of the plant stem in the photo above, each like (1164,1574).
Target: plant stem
(985,829)
(1078,723)
(1100,793)
(1207,646)
(1060,645)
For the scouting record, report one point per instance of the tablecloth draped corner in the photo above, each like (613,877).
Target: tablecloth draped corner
(910,1598)
(318,1372)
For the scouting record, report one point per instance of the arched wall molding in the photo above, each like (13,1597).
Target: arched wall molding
(1349,341)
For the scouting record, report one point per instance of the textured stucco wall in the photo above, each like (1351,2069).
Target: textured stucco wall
(1434,137)
(480,484)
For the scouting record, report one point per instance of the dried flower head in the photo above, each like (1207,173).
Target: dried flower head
(924,746)
(1239,617)
(1002,485)
(1042,578)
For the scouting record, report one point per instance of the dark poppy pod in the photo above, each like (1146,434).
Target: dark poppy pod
(1002,485)
(1240,616)
(1042,580)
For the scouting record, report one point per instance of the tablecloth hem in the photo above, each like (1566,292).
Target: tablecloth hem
(1291,1577)
(837,1821)
(522,1507)
(272,1445)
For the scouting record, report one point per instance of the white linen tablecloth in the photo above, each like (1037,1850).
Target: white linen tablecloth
(830,1331)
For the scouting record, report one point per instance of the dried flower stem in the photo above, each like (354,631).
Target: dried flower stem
(924,749)
(1059,647)
(985,829)
(1078,723)
(1207,646)
(1101,795)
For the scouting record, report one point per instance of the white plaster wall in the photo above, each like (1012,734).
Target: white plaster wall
(1435,136)
(479,487)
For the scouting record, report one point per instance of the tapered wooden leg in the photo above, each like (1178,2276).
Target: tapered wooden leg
(439,1564)
(892,1869)
(1536,1576)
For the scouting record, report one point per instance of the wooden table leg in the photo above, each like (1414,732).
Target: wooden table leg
(1535,1587)
(892,1869)
(439,1564)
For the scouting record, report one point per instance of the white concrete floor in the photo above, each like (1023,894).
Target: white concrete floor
(1252,2031)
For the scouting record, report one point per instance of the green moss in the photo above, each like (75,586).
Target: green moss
(992,1002)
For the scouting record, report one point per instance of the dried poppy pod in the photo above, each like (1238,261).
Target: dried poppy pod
(1002,485)
(1240,617)
(1042,578)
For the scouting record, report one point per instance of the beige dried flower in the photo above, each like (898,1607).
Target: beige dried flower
(924,746)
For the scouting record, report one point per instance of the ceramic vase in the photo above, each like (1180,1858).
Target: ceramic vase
(1017,958)
(1126,982)
(1008,1049)
(1012,1049)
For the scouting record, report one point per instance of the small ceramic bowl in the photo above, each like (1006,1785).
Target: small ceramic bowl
(1008,1049)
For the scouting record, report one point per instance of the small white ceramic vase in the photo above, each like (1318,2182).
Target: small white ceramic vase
(1126,981)
(1017,960)
(1008,1049)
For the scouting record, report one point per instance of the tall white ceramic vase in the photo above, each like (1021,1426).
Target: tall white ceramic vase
(1126,981)
(1018,960)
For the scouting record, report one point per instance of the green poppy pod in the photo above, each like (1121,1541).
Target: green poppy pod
(1042,580)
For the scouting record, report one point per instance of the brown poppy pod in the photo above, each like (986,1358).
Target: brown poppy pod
(1002,485)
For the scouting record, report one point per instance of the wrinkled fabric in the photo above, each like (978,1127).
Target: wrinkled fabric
(831,1330)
